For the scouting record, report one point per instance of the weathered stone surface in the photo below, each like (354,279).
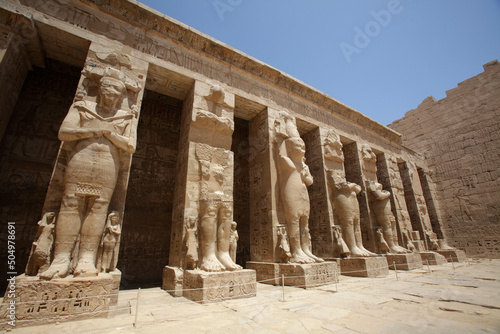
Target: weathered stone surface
(267,272)
(453,255)
(38,301)
(461,139)
(364,266)
(299,275)
(205,287)
(432,258)
(172,280)
(404,261)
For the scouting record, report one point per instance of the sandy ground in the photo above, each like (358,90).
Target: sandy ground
(447,300)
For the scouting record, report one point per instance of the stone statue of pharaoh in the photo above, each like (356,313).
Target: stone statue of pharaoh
(347,207)
(216,212)
(384,216)
(97,132)
(294,178)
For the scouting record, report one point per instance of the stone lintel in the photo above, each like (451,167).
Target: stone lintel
(432,258)
(205,287)
(299,275)
(404,261)
(453,255)
(364,266)
(40,302)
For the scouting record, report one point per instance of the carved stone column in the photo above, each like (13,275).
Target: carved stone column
(319,155)
(203,202)
(417,207)
(280,205)
(263,188)
(361,168)
(72,265)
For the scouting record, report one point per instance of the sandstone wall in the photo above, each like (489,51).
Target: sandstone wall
(460,137)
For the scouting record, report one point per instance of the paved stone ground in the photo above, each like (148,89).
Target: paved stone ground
(461,300)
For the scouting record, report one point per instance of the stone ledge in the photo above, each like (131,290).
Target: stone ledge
(453,255)
(298,275)
(432,258)
(364,266)
(204,287)
(64,299)
(404,261)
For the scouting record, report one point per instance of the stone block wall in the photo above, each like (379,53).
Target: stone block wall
(460,137)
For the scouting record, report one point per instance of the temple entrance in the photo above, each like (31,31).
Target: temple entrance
(241,215)
(148,209)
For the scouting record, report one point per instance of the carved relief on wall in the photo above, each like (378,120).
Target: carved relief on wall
(99,136)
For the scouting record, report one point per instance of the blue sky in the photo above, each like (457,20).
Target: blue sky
(380,57)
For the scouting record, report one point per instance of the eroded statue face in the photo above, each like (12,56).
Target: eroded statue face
(111,91)
(296,146)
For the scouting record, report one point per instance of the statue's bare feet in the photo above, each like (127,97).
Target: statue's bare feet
(367,252)
(58,269)
(399,250)
(211,263)
(312,256)
(227,262)
(85,268)
(300,257)
(356,252)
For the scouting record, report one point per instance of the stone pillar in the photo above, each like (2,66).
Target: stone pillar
(277,152)
(14,66)
(203,122)
(359,171)
(388,175)
(71,270)
(429,195)
(203,203)
(263,188)
(321,218)
(415,201)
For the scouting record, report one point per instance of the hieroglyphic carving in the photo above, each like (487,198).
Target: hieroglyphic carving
(262,206)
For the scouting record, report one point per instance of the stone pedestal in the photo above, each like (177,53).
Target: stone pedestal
(298,275)
(455,255)
(364,266)
(172,280)
(204,287)
(432,258)
(65,299)
(404,261)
